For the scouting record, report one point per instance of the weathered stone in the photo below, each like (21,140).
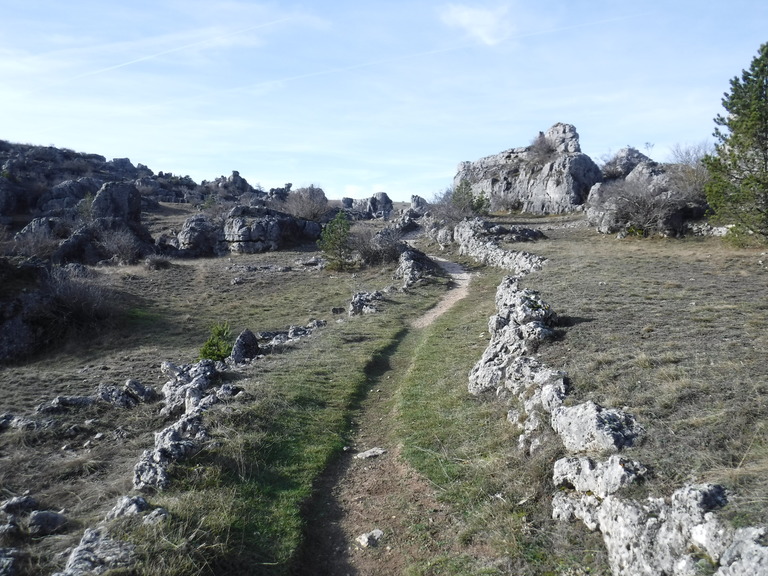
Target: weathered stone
(412,267)
(370,539)
(97,554)
(599,478)
(551,177)
(19,505)
(45,522)
(363,303)
(474,240)
(127,506)
(588,427)
(372,453)
(246,347)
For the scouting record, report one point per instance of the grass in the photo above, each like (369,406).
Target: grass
(675,331)
(465,447)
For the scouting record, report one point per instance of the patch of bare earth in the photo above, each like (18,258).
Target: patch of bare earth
(360,495)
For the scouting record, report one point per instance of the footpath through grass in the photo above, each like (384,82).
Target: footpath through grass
(237,507)
(467,449)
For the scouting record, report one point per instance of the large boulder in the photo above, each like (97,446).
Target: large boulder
(551,176)
(118,200)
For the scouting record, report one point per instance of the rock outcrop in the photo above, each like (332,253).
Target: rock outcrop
(551,176)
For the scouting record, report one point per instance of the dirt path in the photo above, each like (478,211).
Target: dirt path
(384,493)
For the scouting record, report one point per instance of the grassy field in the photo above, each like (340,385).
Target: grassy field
(672,330)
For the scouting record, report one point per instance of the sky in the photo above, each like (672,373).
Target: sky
(359,97)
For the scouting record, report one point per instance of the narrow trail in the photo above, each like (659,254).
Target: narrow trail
(358,496)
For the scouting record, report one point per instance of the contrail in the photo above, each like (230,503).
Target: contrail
(177,49)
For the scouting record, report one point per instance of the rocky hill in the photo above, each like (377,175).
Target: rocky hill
(550,176)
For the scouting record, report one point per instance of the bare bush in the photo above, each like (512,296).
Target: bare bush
(120,244)
(157,262)
(687,174)
(541,150)
(454,204)
(309,203)
(77,301)
(377,247)
(640,209)
(39,239)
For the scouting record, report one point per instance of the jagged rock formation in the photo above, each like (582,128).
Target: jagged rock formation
(413,266)
(377,206)
(551,176)
(246,230)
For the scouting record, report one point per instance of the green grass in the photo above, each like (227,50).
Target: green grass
(266,454)
(467,449)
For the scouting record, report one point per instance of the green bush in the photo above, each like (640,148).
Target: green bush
(219,343)
(334,242)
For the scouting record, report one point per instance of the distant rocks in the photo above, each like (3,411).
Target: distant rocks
(551,176)
(377,206)
(245,230)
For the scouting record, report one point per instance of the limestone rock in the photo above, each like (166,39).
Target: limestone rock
(476,240)
(552,177)
(45,522)
(118,200)
(127,506)
(588,427)
(19,505)
(364,303)
(97,553)
(372,453)
(600,478)
(413,266)
(370,539)
(246,347)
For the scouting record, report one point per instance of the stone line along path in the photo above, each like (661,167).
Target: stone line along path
(364,495)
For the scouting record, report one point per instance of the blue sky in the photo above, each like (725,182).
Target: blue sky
(364,96)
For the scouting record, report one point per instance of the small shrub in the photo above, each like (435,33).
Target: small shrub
(40,241)
(76,301)
(541,150)
(157,262)
(309,203)
(376,248)
(455,204)
(335,243)
(120,244)
(219,344)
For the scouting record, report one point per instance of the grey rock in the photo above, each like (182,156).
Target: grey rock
(600,478)
(532,180)
(19,505)
(370,539)
(372,453)
(246,347)
(97,553)
(198,236)
(137,390)
(45,522)
(588,427)
(475,240)
(127,506)
(364,303)
(413,267)
(623,162)
(118,200)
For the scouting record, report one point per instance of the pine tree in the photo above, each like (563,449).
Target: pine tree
(738,190)
(334,241)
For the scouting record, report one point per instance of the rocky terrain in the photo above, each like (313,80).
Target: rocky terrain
(124,452)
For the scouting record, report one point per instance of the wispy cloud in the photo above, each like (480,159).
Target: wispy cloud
(488,25)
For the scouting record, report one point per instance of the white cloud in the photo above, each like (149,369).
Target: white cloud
(488,25)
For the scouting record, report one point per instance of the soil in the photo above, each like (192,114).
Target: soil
(357,496)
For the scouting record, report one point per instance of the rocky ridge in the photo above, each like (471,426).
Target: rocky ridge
(551,176)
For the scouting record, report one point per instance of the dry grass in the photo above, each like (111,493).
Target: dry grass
(675,330)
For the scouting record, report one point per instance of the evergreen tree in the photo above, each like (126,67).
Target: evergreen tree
(738,190)
(334,241)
